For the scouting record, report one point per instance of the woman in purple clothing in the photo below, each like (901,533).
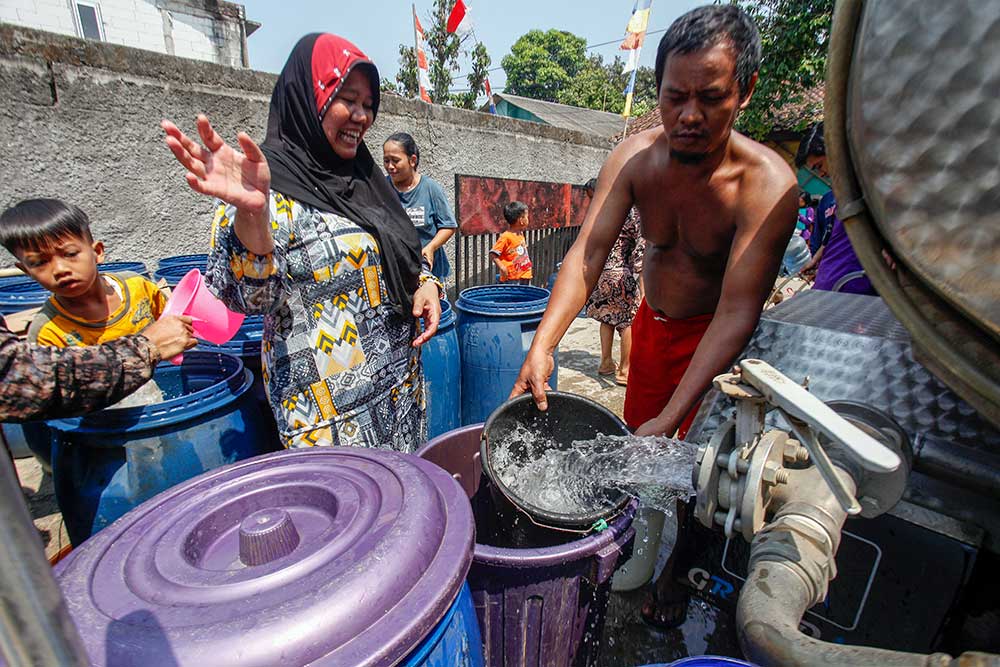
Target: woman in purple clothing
(834,259)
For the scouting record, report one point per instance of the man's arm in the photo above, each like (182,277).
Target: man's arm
(756,253)
(38,382)
(581,268)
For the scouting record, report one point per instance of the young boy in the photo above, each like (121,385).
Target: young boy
(510,253)
(53,244)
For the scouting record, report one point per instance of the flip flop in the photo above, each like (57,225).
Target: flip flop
(620,382)
(673,617)
(602,372)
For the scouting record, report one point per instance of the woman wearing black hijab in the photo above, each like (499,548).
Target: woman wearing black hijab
(309,233)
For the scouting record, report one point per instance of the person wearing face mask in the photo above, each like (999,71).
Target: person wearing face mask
(423,199)
(308,232)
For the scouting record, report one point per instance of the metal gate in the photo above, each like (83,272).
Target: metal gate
(556,210)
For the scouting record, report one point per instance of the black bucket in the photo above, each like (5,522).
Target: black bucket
(569,418)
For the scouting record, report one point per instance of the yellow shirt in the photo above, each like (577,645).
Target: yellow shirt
(142,303)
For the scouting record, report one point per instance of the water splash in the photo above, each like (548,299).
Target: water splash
(584,477)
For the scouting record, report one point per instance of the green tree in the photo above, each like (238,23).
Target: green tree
(477,77)
(794,38)
(540,64)
(602,86)
(406,77)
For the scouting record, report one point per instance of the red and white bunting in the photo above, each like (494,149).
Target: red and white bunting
(423,78)
(460,19)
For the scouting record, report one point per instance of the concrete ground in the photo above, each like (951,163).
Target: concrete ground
(36,486)
(579,356)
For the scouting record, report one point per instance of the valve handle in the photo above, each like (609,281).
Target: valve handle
(795,401)
(823,463)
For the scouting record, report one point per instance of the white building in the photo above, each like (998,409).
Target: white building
(210,30)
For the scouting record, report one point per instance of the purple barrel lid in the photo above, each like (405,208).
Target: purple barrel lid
(325,556)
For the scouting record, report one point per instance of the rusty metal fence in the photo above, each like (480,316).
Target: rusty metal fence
(546,247)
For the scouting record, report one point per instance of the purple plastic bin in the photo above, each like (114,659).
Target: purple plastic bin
(327,556)
(537,607)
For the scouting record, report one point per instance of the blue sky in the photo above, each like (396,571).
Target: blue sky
(379,26)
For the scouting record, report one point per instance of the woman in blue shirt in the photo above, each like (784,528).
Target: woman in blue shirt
(422,198)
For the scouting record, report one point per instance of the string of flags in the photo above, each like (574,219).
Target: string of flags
(423,78)
(460,23)
(635,35)
(460,20)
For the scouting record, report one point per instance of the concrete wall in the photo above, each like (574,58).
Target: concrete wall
(80,121)
(185,28)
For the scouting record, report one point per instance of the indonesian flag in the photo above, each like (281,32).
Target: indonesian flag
(460,20)
(635,32)
(423,78)
(489,97)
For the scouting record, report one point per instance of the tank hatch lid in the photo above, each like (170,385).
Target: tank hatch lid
(321,556)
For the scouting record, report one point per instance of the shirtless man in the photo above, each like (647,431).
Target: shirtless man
(717,211)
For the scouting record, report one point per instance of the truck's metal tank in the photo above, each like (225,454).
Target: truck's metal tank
(912,130)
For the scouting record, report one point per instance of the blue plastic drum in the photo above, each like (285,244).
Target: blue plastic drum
(455,641)
(442,373)
(115,267)
(21,294)
(198,261)
(496,324)
(246,345)
(108,462)
(173,274)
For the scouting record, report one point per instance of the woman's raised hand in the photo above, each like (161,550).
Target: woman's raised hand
(241,178)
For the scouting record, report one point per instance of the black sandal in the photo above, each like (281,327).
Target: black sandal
(668,617)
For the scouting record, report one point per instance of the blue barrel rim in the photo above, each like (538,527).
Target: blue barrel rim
(477,301)
(115,267)
(173,274)
(246,343)
(194,260)
(176,270)
(448,316)
(237,381)
(22,286)
(22,294)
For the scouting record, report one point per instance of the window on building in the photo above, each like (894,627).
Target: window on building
(88,17)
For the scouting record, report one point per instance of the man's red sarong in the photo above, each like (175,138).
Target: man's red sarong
(662,348)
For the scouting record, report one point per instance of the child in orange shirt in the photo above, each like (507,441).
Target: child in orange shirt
(53,244)
(510,253)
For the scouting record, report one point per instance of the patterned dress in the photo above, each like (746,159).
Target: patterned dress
(616,297)
(337,359)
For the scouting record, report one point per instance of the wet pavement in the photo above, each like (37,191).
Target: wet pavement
(628,641)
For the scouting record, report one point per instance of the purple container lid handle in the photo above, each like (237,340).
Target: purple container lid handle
(267,535)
